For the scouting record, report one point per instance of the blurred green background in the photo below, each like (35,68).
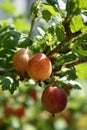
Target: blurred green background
(74,117)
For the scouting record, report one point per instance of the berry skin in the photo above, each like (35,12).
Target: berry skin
(39,67)
(19,111)
(54,99)
(1,121)
(33,94)
(21,59)
(8,110)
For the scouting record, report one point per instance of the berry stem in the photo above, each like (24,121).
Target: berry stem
(53,115)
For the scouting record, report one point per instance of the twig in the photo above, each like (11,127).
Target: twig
(69,36)
(67,39)
(75,62)
(66,25)
(32,25)
(64,51)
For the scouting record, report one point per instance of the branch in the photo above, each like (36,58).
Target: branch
(64,51)
(32,25)
(66,25)
(75,62)
(67,39)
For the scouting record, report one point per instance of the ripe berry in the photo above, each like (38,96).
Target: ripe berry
(19,111)
(1,121)
(21,59)
(39,67)
(8,110)
(33,94)
(54,99)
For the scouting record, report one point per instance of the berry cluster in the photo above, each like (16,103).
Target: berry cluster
(39,67)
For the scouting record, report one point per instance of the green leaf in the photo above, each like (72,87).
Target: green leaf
(60,33)
(9,83)
(84,45)
(52,2)
(81,70)
(76,23)
(80,46)
(46,15)
(79,50)
(52,9)
(51,29)
(72,7)
(69,57)
(70,73)
(7,6)
(74,84)
(35,8)
(21,24)
(6,83)
(82,4)
(41,31)
(14,86)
